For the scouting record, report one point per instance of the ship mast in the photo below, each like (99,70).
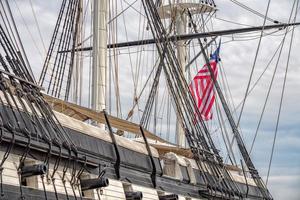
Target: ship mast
(181,28)
(177,10)
(99,65)
(77,76)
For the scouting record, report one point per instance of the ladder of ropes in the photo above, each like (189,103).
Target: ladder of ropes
(58,67)
(197,134)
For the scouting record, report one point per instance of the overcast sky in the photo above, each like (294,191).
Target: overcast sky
(237,59)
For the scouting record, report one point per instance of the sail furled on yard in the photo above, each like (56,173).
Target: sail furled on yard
(202,87)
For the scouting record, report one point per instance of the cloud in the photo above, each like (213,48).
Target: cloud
(285,187)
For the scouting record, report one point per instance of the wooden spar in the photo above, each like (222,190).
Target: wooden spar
(192,36)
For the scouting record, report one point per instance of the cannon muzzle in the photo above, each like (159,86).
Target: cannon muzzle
(33,170)
(88,184)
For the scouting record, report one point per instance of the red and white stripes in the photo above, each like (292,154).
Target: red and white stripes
(202,89)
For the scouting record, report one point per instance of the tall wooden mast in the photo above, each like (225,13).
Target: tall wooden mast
(99,66)
(181,28)
(177,10)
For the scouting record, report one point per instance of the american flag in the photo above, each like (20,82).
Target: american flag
(202,87)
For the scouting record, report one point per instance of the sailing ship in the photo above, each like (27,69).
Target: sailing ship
(53,147)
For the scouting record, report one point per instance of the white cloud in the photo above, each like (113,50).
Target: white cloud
(285,187)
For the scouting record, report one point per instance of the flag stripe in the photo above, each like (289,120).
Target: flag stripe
(202,89)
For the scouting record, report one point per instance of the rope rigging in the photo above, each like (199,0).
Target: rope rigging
(255,84)
(29,31)
(254,11)
(283,88)
(234,126)
(37,26)
(58,67)
(24,58)
(25,112)
(197,133)
(254,62)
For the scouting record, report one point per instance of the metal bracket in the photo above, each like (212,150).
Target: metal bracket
(153,174)
(116,147)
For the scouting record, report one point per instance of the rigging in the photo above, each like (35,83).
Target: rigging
(191,36)
(197,134)
(234,127)
(254,62)
(254,11)
(283,89)
(60,66)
